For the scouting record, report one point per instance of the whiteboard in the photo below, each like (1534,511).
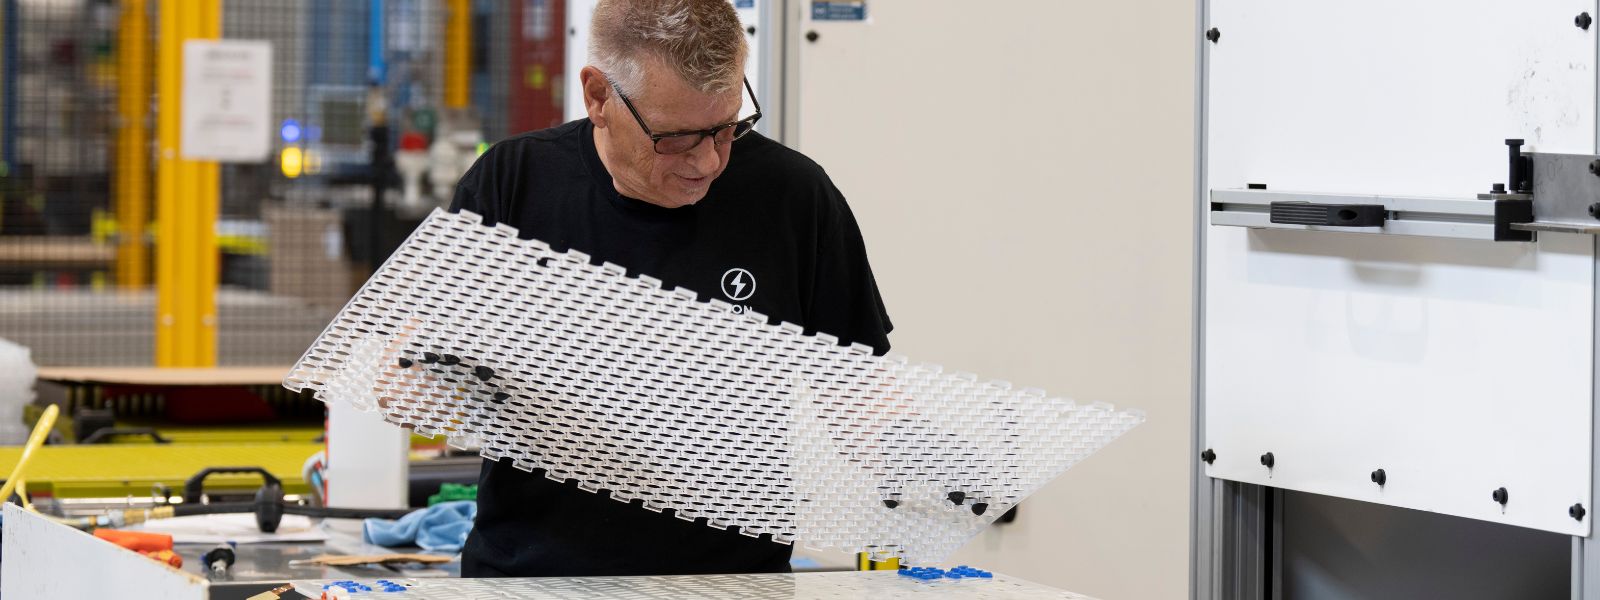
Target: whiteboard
(1457,366)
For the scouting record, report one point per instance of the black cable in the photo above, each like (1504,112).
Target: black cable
(333,512)
(324,512)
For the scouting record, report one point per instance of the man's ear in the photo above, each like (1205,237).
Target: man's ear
(595,92)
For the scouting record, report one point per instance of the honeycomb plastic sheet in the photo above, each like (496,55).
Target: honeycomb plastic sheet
(854,585)
(581,372)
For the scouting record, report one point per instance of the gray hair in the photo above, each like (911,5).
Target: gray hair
(701,40)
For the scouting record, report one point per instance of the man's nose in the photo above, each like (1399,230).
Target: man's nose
(703,157)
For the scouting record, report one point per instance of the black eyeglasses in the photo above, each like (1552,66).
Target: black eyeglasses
(678,142)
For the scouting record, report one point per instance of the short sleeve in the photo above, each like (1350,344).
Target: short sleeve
(845,301)
(477,191)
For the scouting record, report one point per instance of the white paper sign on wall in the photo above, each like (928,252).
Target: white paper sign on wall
(227,100)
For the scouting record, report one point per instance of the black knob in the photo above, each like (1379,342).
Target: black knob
(1594,210)
(750,30)
(1498,188)
(979,507)
(1208,456)
(1577,512)
(1267,460)
(811,36)
(957,497)
(1501,496)
(891,503)
(1583,21)
(1213,34)
(1379,477)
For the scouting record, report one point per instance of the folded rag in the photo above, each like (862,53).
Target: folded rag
(442,527)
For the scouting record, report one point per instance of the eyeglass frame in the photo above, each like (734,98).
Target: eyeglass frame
(655,138)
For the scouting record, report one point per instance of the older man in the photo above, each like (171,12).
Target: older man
(664,178)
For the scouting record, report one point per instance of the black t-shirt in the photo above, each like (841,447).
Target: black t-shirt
(772,235)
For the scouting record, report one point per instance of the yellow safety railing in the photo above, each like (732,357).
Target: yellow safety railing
(186,203)
(458,54)
(133,160)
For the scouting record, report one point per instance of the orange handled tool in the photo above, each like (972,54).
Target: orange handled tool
(166,556)
(137,541)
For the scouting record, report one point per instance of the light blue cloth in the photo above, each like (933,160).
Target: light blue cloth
(442,527)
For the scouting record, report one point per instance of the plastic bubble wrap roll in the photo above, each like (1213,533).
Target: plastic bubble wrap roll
(545,360)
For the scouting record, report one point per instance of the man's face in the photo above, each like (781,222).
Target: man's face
(667,105)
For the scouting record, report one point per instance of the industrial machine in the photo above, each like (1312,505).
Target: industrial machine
(1395,351)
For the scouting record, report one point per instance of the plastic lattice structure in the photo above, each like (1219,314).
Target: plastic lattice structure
(846,585)
(545,360)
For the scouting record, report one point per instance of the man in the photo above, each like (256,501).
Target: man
(654,180)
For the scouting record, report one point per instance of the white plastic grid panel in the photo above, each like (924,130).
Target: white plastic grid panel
(854,585)
(545,360)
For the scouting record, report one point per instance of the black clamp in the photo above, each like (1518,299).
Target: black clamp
(1329,215)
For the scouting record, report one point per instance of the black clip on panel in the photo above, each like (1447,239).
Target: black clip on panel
(1329,215)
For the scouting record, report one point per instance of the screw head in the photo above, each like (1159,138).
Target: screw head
(1501,496)
(1379,477)
(1498,188)
(1577,512)
(1213,34)
(1267,460)
(1583,21)
(1208,456)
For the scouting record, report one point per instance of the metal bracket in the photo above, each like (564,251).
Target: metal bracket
(1566,194)
(1550,192)
(1465,218)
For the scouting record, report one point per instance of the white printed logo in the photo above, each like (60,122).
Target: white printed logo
(738,284)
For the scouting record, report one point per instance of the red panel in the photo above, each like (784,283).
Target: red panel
(538,63)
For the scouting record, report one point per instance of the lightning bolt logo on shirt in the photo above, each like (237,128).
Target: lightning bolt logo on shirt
(738,284)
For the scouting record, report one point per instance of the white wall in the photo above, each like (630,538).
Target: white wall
(1023,173)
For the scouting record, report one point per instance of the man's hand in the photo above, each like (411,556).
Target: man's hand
(436,384)
(397,370)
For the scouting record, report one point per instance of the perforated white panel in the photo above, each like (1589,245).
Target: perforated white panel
(855,585)
(552,363)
